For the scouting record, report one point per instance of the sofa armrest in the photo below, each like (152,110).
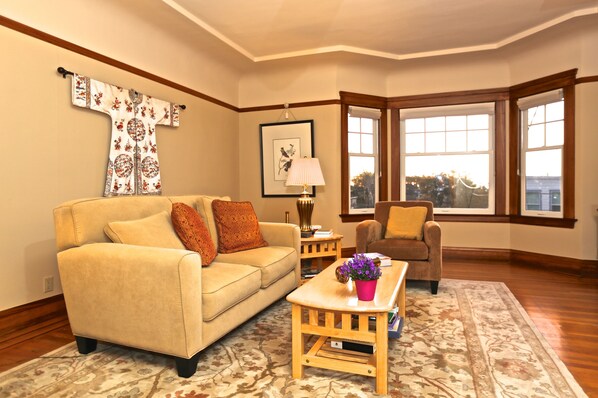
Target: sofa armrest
(282,234)
(366,232)
(144,297)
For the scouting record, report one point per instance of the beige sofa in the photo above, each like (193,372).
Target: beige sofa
(160,299)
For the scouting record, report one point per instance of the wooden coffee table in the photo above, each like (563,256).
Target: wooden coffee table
(325,307)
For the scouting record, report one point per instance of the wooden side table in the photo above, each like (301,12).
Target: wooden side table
(319,248)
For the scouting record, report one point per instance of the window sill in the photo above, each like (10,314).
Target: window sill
(544,221)
(487,218)
(356,217)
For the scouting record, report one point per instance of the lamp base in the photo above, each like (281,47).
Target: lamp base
(305,206)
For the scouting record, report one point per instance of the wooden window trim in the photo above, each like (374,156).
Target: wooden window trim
(566,81)
(369,101)
(497,95)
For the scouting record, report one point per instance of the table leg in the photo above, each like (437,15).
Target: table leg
(381,353)
(401,300)
(297,341)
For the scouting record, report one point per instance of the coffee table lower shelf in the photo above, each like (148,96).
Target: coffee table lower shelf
(322,355)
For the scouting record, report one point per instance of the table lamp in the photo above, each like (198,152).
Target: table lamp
(305,172)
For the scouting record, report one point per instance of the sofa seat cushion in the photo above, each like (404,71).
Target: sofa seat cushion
(224,285)
(274,262)
(400,249)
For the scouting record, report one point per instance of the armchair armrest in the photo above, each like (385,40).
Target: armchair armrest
(138,296)
(366,232)
(433,239)
(282,234)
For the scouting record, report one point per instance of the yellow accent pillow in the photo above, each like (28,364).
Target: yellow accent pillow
(156,230)
(406,222)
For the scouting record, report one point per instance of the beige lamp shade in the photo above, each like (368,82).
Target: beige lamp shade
(305,172)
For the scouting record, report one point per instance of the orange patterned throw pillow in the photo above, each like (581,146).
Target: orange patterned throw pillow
(193,232)
(237,226)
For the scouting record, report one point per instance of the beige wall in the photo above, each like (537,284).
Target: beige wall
(138,33)
(52,152)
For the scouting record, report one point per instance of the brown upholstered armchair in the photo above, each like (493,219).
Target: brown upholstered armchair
(424,256)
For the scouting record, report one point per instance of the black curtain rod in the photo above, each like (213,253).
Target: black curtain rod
(65,72)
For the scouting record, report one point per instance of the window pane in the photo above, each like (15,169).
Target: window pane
(535,136)
(535,115)
(435,142)
(456,141)
(414,143)
(555,133)
(555,111)
(477,122)
(454,123)
(449,181)
(367,143)
(435,123)
(363,185)
(477,140)
(354,124)
(540,164)
(354,143)
(414,126)
(367,125)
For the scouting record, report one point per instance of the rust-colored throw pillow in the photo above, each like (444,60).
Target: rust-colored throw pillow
(237,226)
(193,232)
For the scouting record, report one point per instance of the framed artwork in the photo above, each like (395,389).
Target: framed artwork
(281,143)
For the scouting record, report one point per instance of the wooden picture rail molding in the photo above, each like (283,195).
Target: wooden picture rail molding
(30,320)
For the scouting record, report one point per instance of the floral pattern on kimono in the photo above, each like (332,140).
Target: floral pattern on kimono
(133,167)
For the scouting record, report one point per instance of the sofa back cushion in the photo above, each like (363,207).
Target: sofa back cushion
(82,221)
(155,231)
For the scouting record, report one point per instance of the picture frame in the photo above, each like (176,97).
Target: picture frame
(280,144)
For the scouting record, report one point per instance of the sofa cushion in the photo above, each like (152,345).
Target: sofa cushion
(204,208)
(237,226)
(156,230)
(400,249)
(274,262)
(225,284)
(406,222)
(193,232)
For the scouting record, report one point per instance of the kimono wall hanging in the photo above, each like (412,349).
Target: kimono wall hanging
(133,167)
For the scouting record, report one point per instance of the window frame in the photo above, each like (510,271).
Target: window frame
(367,101)
(566,82)
(375,154)
(445,111)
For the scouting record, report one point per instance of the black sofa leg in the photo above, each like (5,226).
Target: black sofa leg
(434,286)
(86,345)
(187,367)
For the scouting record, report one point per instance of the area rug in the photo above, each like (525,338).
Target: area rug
(473,339)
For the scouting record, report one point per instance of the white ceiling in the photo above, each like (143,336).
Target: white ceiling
(263,30)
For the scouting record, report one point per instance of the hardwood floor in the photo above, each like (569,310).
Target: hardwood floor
(563,307)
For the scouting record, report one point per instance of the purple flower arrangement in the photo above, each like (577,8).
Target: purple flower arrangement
(360,268)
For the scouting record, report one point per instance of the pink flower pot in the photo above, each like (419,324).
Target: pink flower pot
(366,290)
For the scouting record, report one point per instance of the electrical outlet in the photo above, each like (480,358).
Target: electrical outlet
(48,284)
